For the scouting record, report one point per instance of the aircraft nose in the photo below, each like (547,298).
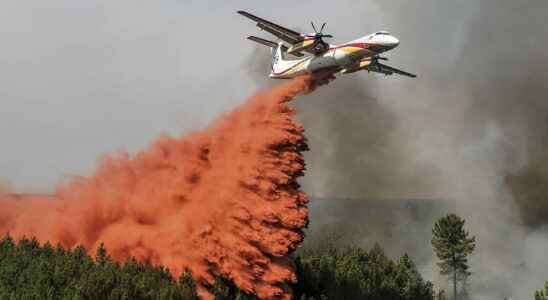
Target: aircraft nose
(393,41)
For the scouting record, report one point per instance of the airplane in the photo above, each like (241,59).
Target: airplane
(324,60)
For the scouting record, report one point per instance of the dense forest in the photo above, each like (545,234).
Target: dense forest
(355,273)
(29,270)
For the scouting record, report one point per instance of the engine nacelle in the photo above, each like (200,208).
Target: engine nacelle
(306,44)
(363,64)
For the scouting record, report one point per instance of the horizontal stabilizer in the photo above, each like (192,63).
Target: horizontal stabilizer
(271,44)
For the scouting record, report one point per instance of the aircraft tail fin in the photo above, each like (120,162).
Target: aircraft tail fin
(281,65)
(277,55)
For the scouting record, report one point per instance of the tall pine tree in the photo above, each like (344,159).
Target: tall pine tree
(452,245)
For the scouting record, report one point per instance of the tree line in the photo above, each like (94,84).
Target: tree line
(29,270)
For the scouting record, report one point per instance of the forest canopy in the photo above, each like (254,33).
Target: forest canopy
(29,270)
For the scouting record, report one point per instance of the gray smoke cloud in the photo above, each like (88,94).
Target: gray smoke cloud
(471,130)
(468,136)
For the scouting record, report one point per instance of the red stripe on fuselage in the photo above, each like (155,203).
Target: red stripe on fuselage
(292,67)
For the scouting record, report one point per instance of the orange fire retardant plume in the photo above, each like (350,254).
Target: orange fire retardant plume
(221,201)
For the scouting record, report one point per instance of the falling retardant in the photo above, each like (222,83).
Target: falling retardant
(223,201)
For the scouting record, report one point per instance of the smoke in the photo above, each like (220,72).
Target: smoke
(471,130)
(221,201)
(357,145)
(488,99)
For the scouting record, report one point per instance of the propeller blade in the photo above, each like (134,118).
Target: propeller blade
(313,27)
(323,25)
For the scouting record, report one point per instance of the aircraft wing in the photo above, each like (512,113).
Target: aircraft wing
(271,44)
(387,70)
(290,36)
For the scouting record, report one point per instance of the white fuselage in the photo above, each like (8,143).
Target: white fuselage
(336,58)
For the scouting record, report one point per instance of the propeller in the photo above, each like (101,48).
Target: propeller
(376,58)
(320,34)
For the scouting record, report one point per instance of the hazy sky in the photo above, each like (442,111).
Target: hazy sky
(84,78)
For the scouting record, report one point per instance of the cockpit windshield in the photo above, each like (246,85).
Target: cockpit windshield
(382,33)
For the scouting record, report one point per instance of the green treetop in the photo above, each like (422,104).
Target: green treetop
(542,295)
(452,244)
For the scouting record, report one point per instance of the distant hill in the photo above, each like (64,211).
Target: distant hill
(398,225)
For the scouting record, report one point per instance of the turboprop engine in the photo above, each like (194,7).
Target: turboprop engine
(307,43)
(311,41)
(368,63)
(363,64)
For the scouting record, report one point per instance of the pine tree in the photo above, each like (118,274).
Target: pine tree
(452,245)
(188,286)
(542,295)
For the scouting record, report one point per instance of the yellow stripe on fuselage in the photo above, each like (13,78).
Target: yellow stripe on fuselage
(299,67)
(350,50)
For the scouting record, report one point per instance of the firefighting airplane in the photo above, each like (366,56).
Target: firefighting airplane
(325,59)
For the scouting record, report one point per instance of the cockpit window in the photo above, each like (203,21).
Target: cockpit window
(382,33)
